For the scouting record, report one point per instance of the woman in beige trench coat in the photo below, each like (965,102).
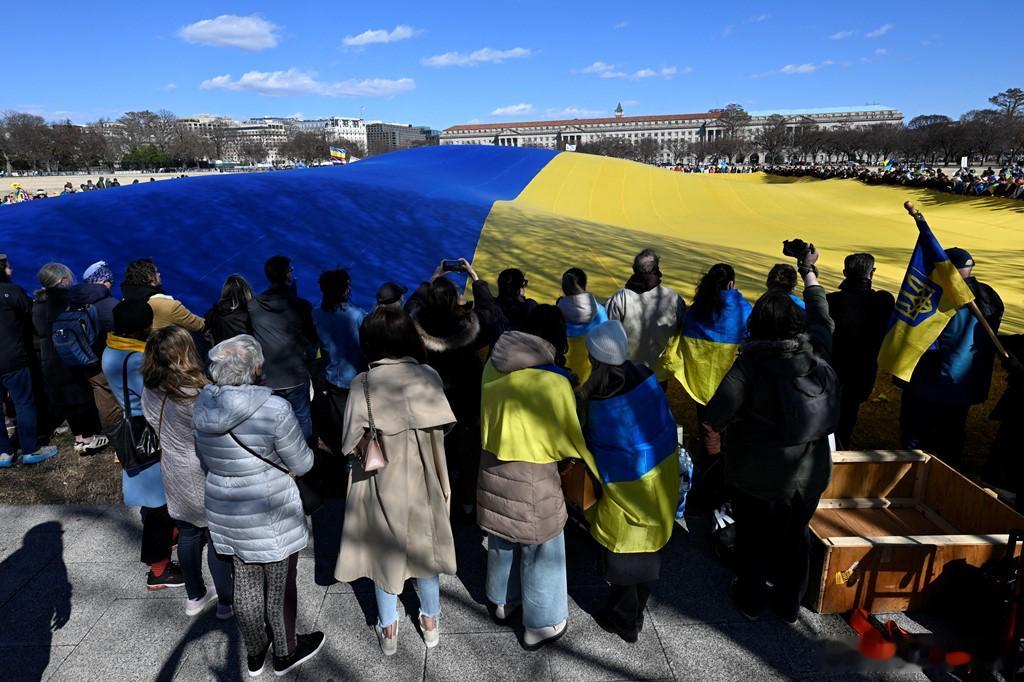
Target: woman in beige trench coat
(397,518)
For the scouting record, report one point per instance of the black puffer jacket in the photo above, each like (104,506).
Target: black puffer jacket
(861,315)
(15,328)
(283,324)
(223,322)
(66,386)
(747,403)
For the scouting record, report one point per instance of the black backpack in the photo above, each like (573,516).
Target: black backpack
(73,334)
(809,404)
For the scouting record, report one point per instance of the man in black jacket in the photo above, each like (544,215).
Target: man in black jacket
(862,317)
(283,324)
(15,372)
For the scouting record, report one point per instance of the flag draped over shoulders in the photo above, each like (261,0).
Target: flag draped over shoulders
(633,440)
(701,355)
(529,415)
(932,292)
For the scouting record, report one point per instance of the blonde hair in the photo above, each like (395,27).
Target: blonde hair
(171,364)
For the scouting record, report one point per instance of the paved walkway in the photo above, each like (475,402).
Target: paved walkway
(73,606)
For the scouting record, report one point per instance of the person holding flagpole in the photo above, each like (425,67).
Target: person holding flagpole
(941,344)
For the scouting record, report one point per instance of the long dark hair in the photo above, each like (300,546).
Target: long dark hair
(388,332)
(775,317)
(335,286)
(235,294)
(574,282)
(707,299)
(547,322)
(442,297)
(510,281)
(782,277)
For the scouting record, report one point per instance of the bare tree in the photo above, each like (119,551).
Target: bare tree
(253,151)
(1010,102)
(733,117)
(351,146)
(773,138)
(647,150)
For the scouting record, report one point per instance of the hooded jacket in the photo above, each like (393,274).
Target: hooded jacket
(651,318)
(582,313)
(181,470)
(283,324)
(224,323)
(747,403)
(253,509)
(528,424)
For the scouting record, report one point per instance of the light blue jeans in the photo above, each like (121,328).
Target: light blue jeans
(531,574)
(429,591)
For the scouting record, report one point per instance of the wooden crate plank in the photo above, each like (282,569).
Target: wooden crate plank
(964,505)
(844,456)
(866,503)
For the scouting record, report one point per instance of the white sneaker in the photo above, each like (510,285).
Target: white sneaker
(193,607)
(7,461)
(92,446)
(389,645)
(535,638)
(431,637)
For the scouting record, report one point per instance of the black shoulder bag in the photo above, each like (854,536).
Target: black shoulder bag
(311,498)
(135,442)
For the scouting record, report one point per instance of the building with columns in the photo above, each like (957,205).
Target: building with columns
(664,129)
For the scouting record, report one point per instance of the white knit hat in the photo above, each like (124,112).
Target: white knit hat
(607,343)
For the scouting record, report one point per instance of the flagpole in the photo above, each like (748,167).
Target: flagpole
(972,306)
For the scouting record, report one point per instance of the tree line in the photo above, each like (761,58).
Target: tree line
(145,140)
(994,134)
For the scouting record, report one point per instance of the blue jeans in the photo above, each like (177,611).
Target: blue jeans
(18,385)
(298,398)
(190,555)
(531,574)
(429,591)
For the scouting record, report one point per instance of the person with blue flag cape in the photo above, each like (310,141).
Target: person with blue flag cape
(715,325)
(528,424)
(936,345)
(582,313)
(631,435)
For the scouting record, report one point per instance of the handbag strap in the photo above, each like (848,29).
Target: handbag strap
(369,410)
(258,456)
(160,423)
(124,377)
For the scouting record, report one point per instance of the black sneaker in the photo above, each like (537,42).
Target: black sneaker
(257,662)
(171,577)
(306,647)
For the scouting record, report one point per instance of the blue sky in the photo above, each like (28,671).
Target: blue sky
(460,62)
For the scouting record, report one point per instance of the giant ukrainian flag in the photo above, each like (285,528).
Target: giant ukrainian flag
(932,292)
(702,354)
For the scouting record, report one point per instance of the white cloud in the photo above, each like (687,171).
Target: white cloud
(373,36)
(840,35)
(513,110)
(879,32)
(727,31)
(790,69)
(630,102)
(880,52)
(480,56)
(621,25)
(571,112)
(251,33)
(606,70)
(296,82)
(597,67)
(760,18)
(170,87)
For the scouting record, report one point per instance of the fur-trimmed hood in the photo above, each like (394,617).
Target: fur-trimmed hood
(452,333)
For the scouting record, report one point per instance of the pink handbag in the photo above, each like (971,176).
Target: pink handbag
(370,451)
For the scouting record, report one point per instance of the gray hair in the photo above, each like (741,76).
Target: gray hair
(234,362)
(51,274)
(646,261)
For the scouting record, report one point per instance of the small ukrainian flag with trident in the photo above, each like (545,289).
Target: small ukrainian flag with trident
(339,155)
(932,291)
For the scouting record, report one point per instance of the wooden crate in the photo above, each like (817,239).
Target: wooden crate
(889,523)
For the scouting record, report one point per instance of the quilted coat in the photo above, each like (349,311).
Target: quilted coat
(183,474)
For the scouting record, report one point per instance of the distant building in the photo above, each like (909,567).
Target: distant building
(386,137)
(337,128)
(271,135)
(664,128)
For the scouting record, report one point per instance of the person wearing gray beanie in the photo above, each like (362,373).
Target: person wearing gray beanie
(631,432)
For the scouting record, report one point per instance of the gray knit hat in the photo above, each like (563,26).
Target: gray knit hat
(607,343)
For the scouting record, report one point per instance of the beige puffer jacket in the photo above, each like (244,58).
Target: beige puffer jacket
(520,501)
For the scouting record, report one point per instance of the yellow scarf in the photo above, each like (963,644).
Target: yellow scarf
(115,342)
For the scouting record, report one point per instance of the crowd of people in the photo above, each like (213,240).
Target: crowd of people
(1007,182)
(503,412)
(18,194)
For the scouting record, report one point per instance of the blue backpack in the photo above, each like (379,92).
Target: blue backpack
(74,332)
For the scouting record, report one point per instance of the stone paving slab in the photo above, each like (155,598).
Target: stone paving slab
(117,630)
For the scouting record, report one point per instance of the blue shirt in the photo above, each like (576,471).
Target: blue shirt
(338,330)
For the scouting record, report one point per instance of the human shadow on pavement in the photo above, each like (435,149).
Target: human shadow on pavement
(52,610)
